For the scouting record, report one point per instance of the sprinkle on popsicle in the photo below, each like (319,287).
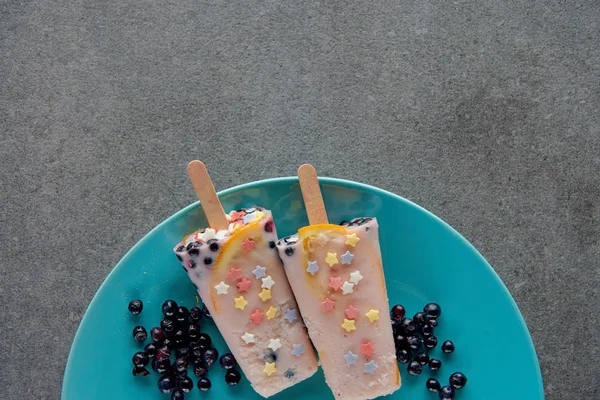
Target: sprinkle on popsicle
(373,315)
(348,325)
(270,368)
(367,349)
(291,315)
(355,277)
(350,358)
(352,240)
(265,294)
(298,350)
(328,305)
(248,338)
(257,317)
(248,245)
(370,367)
(351,312)
(271,313)
(244,285)
(275,344)
(259,272)
(235,274)
(313,267)
(331,259)
(222,288)
(347,288)
(267,282)
(335,282)
(240,302)
(347,257)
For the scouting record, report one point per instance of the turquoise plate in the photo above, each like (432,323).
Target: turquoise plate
(424,259)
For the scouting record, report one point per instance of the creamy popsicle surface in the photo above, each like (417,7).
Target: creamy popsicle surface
(240,278)
(336,274)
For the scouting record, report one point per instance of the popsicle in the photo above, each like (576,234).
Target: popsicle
(235,267)
(337,277)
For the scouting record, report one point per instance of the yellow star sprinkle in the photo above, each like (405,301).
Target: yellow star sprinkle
(373,315)
(270,369)
(331,259)
(271,313)
(265,295)
(352,239)
(258,215)
(240,302)
(348,325)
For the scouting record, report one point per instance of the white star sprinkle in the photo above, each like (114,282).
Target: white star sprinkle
(267,282)
(313,267)
(221,234)
(259,272)
(347,287)
(291,315)
(347,257)
(350,358)
(222,288)
(370,367)
(248,218)
(298,350)
(274,344)
(355,277)
(248,338)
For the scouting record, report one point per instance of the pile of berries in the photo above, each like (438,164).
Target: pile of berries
(414,338)
(176,346)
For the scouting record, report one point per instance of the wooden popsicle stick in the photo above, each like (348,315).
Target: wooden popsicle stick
(311,192)
(207,195)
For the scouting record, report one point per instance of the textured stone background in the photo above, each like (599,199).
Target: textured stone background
(484,112)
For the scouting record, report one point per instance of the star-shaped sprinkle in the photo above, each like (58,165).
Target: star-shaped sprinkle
(259,272)
(350,358)
(355,277)
(244,285)
(248,218)
(221,234)
(352,239)
(373,315)
(237,215)
(351,312)
(328,304)
(367,349)
(222,288)
(235,274)
(248,338)
(347,257)
(265,294)
(267,282)
(313,267)
(274,344)
(370,367)
(298,350)
(331,259)
(271,313)
(291,315)
(270,369)
(257,317)
(208,234)
(258,215)
(335,282)
(348,325)
(347,287)
(248,245)
(240,302)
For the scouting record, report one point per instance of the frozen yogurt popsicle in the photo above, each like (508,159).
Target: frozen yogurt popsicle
(336,274)
(235,267)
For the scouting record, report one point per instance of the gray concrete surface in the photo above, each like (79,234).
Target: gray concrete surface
(484,112)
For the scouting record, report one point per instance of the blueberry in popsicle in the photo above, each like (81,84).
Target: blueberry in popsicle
(235,267)
(337,277)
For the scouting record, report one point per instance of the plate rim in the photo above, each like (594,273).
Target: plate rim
(322,180)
